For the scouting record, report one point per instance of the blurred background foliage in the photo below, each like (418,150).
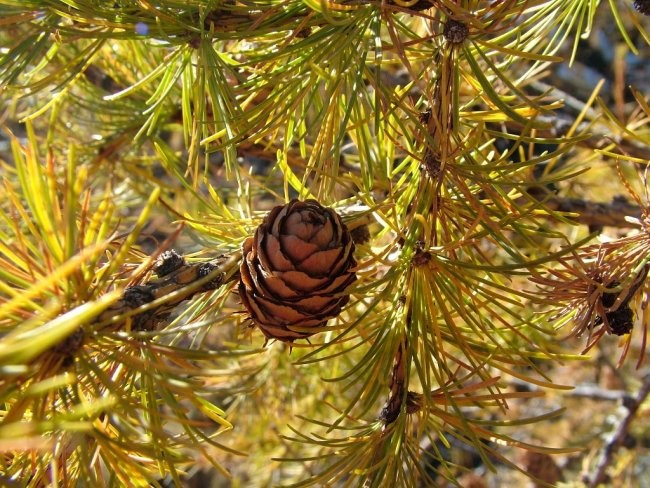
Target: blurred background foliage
(490,157)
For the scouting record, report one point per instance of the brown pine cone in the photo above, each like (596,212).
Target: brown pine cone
(296,269)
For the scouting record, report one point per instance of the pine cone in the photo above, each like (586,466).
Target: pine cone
(296,269)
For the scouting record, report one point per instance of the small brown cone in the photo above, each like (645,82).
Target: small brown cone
(296,269)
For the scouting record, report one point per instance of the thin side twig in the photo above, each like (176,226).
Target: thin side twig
(149,304)
(591,392)
(597,214)
(614,442)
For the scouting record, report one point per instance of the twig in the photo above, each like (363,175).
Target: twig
(596,214)
(609,449)
(149,304)
(591,392)
(601,134)
(618,213)
(398,377)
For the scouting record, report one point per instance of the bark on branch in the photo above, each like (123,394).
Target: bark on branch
(612,445)
(597,214)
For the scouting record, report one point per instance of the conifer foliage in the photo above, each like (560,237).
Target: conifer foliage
(308,243)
